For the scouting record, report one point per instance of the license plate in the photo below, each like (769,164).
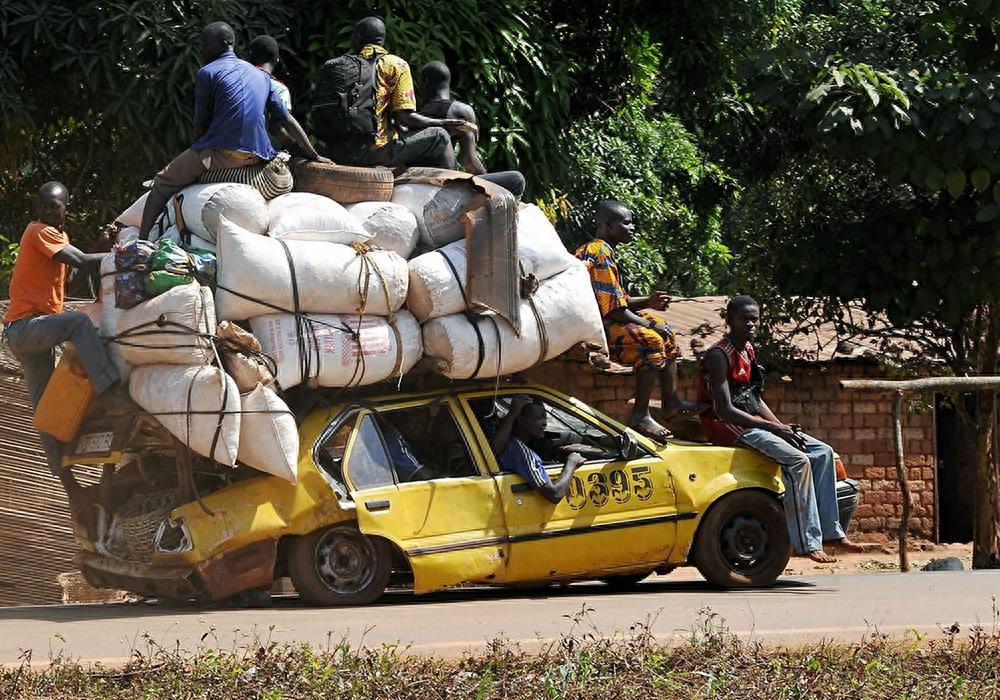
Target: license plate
(95,443)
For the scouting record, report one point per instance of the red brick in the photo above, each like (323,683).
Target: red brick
(865,407)
(927,473)
(864,511)
(874,472)
(861,460)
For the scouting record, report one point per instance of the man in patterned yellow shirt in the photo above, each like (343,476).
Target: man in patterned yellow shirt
(636,336)
(402,135)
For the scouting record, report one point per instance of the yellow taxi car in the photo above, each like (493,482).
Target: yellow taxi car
(353,522)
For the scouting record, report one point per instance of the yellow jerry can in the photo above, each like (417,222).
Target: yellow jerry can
(66,398)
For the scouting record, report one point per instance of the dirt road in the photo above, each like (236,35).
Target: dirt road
(843,607)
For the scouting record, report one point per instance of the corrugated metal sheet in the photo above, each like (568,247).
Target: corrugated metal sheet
(36,537)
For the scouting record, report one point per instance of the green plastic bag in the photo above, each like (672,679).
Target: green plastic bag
(168,265)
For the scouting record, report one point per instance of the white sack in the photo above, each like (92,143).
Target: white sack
(133,215)
(338,363)
(438,220)
(392,226)
(203,207)
(110,314)
(327,274)
(302,216)
(174,235)
(172,390)
(190,306)
(435,290)
(269,438)
(569,314)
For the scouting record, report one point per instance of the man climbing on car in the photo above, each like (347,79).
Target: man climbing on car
(730,379)
(522,427)
(35,323)
(636,337)
(362,101)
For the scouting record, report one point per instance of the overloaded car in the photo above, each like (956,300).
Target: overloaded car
(355,521)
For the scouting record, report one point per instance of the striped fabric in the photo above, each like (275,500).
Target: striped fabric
(270,179)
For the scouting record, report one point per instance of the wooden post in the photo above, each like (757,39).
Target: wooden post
(904,483)
(897,387)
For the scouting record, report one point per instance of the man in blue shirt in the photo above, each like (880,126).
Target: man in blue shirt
(231,99)
(525,423)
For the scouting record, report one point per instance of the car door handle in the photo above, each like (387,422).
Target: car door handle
(520,488)
(373,506)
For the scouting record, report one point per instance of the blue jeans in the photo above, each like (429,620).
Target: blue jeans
(810,478)
(33,341)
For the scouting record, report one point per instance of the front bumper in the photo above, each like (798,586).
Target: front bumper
(217,578)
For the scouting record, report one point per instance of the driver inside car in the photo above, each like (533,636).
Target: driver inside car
(522,427)
(404,460)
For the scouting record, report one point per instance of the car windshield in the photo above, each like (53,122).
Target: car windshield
(565,432)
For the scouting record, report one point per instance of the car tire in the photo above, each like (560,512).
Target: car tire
(339,566)
(344,184)
(742,541)
(624,582)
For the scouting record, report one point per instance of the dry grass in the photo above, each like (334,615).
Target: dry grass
(711,664)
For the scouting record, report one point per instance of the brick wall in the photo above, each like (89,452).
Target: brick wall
(857,425)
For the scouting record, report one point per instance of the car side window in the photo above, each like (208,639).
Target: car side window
(368,463)
(425,442)
(565,432)
(329,453)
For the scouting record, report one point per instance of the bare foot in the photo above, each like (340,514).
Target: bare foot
(845,545)
(820,557)
(650,428)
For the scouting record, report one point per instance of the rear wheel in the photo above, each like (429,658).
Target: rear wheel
(743,541)
(339,566)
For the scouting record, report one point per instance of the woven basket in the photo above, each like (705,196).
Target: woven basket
(140,518)
(270,179)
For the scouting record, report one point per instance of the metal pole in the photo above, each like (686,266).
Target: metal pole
(904,484)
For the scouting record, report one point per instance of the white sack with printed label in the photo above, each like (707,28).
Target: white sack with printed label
(204,206)
(568,313)
(437,278)
(330,277)
(269,438)
(392,226)
(302,216)
(169,392)
(333,358)
(169,329)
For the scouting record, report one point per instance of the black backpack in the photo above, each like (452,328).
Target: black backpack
(343,104)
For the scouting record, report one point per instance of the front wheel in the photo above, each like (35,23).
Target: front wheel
(743,541)
(339,566)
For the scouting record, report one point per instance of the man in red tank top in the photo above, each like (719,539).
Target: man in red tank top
(731,382)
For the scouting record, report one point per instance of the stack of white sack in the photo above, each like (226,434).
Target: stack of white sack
(323,300)
(560,314)
(169,340)
(438,278)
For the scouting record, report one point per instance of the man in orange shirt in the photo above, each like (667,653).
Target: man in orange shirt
(35,322)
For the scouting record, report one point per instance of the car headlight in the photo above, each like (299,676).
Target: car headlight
(172,537)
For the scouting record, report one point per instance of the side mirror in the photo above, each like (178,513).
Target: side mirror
(628,448)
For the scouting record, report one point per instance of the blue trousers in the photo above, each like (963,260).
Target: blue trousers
(810,478)
(33,341)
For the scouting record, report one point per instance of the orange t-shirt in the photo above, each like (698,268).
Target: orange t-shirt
(36,285)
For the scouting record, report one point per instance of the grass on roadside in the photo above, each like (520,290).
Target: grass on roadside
(711,664)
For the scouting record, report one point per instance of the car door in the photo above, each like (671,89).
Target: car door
(619,514)
(447,517)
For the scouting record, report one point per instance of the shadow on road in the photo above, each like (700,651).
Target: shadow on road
(405,598)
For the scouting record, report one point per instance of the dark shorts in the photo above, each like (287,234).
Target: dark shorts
(424,147)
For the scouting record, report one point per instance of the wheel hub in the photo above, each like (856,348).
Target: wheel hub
(744,541)
(345,561)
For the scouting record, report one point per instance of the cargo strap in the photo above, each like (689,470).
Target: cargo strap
(543,337)
(305,335)
(480,343)
(454,272)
